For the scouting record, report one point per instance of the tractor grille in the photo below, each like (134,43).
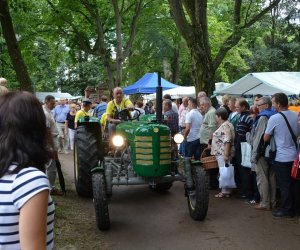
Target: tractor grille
(165,150)
(144,150)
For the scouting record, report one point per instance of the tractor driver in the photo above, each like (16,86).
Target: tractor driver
(114,107)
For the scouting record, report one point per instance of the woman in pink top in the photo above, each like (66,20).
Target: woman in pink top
(222,144)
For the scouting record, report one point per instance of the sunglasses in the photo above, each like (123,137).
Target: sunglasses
(258,105)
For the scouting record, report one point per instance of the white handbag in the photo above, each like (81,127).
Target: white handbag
(246,154)
(226,179)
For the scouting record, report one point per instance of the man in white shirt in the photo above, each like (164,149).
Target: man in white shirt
(193,122)
(51,169)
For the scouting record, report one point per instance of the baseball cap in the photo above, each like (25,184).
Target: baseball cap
(86,100)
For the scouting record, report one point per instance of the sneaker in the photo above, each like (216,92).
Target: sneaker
(56,192)
(280,213)
(252,202)
(259,207)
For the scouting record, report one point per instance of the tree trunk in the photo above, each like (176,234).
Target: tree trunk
(175,66)
(203,78)
(298,55)
(273,32)
(190,17)
(109,74)
(119,47)
(13,48)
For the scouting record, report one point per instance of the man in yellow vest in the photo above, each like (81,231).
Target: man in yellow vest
(114,108)
(86,106)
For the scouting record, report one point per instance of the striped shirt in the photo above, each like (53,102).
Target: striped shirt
(15,191)
(243,126)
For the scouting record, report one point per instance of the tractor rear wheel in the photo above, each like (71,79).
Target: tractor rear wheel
(86,157)
(161,187)
(198,198)
(100,201)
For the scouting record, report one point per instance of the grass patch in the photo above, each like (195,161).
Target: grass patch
(75,225)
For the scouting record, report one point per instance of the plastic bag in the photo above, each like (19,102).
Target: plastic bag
(295,174)
(246,154)
(226,179)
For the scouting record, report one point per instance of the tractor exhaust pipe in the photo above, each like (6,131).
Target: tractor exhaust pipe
(159,100)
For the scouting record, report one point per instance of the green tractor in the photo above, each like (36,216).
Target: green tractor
(143,155)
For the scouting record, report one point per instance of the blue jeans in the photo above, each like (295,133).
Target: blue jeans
(192,148)
(182,148)
(245,177)
(283,176)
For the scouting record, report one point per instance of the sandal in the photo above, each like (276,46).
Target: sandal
(222,195)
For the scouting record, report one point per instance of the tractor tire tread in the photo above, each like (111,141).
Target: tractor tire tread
(199,212)
(100,200)
(87,157)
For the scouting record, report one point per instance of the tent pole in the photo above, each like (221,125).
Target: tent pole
(252,88)
(159,99)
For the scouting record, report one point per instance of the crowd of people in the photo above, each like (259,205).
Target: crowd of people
(267,182)
(267,126)
(30,142)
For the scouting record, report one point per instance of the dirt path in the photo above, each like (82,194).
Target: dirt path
(141,219)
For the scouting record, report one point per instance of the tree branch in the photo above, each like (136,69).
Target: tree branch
(229,43)
(260,15)
(85,45)
(118,29)
(248,10)
(13,49)
(191,8)
(133,26)
(182,24)
(85,16)
(235,37)
(237,12)
(100,41)
(122,6)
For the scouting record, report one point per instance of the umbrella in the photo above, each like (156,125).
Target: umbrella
(60,176)
(147,85)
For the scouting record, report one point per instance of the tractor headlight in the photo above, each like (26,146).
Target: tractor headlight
(178,138)
(118,140)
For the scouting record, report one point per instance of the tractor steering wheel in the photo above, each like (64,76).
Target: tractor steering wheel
(138,115)
(124,115)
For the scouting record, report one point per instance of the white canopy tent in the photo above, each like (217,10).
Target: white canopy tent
(183,91)
(176,93)
(41,95)
(266,83)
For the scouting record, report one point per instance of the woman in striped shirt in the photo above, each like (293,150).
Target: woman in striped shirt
(26,209)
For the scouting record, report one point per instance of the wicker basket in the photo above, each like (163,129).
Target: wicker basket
(208,162)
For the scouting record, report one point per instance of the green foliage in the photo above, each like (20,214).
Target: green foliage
(156,42)
(52,40)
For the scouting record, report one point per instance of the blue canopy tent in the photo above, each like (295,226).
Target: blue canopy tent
(147,85)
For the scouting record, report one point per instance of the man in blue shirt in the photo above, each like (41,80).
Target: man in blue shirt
(286,151)
(60,114)
(101,107)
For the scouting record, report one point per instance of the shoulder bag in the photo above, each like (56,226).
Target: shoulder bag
(272,152)
(295,173)
(290,129)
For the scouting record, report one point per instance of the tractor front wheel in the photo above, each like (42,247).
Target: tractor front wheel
(100,201)
(198,198)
